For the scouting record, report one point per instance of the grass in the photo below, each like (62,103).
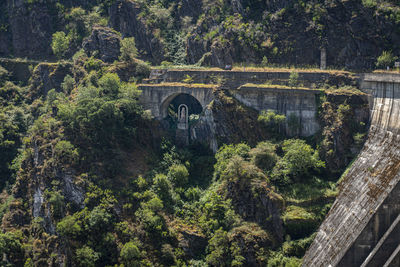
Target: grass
(345,90)
(391,71)
(176,84)
(278,86)
(254,68)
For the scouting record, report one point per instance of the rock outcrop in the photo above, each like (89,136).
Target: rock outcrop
(47,76)
(30,29)
(103,43)
(124,17)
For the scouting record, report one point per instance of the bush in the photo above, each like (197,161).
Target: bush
(128,49)
(273,121)
(56,201)
(86,257)
(99,220)
(69,227)
(298,222)
(68,84)
(386,59)
(178,175)
(277,259)
(60,44)
(218,249)
(298,161)
(65,152)
(4,74)
(294,79)
(225,153)
(162,187)
(11,250)
(130,255)
(264,156)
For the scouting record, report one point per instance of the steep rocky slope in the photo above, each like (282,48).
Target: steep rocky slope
(353,32)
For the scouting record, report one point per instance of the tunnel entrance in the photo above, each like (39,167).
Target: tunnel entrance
(183,110)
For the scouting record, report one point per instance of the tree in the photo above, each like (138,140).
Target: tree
(128,49)
(218,248)
(264,62)
(69,227)
(272,120)
(178,174)
(386,59)
(298,160)
(86,256)
(60,44)
(264,155)
(130,255)
(294,79)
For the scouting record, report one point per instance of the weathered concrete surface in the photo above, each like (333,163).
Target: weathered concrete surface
(367,204)
(301,103)
(157,97)
(237,78)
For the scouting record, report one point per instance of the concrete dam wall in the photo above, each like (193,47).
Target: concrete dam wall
(362,228)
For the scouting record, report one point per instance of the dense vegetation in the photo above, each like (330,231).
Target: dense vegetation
(87,178)
(355,32)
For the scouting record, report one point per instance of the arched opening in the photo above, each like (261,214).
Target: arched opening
(193,105)
(180,111)
(170,107)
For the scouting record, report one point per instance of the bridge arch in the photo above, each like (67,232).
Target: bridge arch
(157,97)
(176,99)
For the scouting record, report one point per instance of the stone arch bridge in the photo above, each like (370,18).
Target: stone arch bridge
(157,97)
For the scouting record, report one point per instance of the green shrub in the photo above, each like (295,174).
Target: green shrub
(264,155)
(273,121)
(56,201)
(86,257)
(299,160)
(68,84)
(298,222)
(130,255)
(99,220)
(277,259)
(294,79)
(163,188)
(65,152)
(218,249)
(178,175)
(60,44)
(4,74)
(225,153)
(11,249)
(128,49)
(386,59)
(69,227)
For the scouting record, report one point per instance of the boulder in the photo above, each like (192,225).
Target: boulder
(103,43)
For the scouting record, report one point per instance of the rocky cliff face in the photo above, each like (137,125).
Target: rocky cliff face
(125,18)
(29,31)
(103,43)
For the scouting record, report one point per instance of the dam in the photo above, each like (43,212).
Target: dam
(362,228)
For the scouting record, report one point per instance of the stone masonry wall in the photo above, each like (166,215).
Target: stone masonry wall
(303,104)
